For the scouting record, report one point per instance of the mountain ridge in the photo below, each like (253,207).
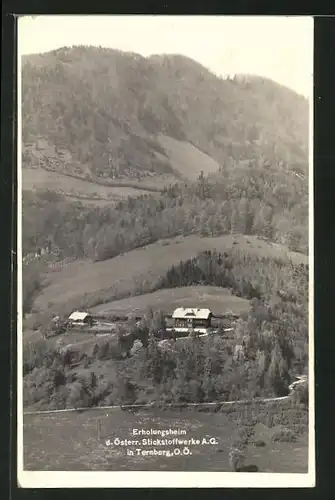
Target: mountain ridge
(106,109)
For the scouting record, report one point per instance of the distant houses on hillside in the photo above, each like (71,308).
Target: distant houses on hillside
(183,322)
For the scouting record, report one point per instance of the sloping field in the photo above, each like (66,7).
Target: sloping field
(70,284)
(70,441)
(85,191)
(186,158)
(219,300)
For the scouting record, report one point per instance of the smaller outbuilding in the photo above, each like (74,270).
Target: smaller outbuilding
(80,318)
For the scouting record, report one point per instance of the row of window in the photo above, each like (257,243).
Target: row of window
(191,322)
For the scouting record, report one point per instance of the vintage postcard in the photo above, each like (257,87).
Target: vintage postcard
(165,251)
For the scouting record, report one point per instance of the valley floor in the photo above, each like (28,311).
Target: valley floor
(77,441)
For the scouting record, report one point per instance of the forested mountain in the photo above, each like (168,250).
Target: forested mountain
(113,115)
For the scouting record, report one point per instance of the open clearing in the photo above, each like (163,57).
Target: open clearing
(77,281)
(219,300)
(70,441)
(84,190)
(186,159)
(146,262)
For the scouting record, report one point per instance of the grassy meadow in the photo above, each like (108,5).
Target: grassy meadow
(80,280)
(183,156)
(218,300)
(71,441)
(84,190)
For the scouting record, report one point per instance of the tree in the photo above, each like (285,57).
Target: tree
(103,350)
(300,394)
(201,180)
(93,380)
(125,341)
(75,396)
(126,390)
(236,459)
(32,284)
(261,367)
(277,372)
(141,332)
(158,324)
(154,361)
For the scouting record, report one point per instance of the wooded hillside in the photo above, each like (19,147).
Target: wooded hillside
(106,114)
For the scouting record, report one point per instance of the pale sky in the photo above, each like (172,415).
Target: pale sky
(276,47)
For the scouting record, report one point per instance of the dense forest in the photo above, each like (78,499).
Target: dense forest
(246,275)
(247,200)
(106,110)
(193,371)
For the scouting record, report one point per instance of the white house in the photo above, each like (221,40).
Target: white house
(80,318)
(192,318)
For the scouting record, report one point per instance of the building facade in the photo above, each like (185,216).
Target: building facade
(192,318)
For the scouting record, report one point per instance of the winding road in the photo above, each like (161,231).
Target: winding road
(300,380)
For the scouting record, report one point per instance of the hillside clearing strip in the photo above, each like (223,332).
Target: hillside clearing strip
(76,187)
(218,299)
(128,271)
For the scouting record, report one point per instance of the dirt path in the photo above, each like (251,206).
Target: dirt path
(292,387)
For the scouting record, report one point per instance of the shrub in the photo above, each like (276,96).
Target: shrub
(300,395)
(245,433)
(300,429)
(259,443)
(95,350)
(284,436)
(236,459)
(248,468)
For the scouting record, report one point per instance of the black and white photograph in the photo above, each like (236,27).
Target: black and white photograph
(165,251)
